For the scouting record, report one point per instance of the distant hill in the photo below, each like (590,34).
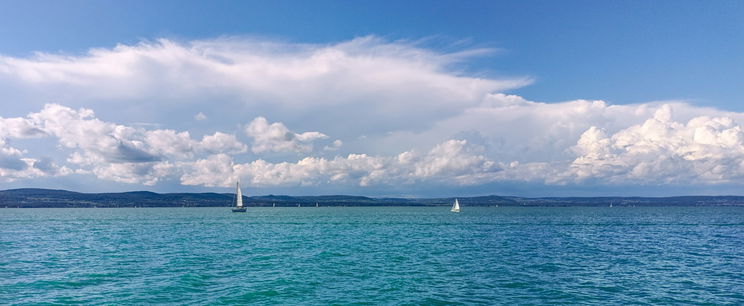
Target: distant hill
(32,197)
(61,198)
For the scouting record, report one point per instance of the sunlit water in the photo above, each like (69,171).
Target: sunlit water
(387,255)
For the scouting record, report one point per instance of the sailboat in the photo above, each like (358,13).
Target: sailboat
(238,200)
(455,207)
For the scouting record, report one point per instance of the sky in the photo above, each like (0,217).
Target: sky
(376,98)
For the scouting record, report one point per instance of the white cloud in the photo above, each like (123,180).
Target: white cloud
(116,152)
(456,160)
(276,137)
(658,150)
(452,160)
(221,143)
(170,143)
(705,150)
(334,146)
(13,164)
(19,128)
(215,170)
(405,113)
(365,85)
(146,173)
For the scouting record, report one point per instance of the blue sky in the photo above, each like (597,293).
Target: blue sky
(642,50)
(604,74)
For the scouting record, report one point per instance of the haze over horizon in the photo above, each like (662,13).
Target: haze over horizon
(374,98)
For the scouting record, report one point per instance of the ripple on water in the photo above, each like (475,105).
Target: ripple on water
(390,255)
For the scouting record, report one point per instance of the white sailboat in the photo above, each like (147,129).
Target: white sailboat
(238,200)
(455,207)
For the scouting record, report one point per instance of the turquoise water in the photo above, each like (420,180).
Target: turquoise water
(387,255)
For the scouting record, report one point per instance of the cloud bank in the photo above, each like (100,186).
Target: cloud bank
(365,112)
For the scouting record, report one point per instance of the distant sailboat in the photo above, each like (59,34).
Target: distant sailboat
(316,204)
(455,207)
(238,200)
(273,205)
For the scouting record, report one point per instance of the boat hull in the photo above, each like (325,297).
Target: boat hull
(241,209)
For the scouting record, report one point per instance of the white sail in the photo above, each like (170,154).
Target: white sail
(455,207)
(238,196)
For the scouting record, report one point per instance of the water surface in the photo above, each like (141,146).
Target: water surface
(380,255)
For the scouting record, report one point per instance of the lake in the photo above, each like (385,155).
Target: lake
(374,255)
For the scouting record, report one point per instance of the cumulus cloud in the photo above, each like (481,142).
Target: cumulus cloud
(13,168)
(221,143)
(513,128)
(702,150)
(112,151)
(453,160)
(366,84)
(405,113)
(13,164)
(146,173)
(334,146)
(215,170)
(660,149)
(276,137)
(19,128)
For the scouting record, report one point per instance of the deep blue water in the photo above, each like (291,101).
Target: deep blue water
(386,255)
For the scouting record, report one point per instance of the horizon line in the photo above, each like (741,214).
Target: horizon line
(381,197)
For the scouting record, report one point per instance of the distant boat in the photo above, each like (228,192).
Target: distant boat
(610,203)
(455,207)
(316,204)
(238,200)
(273,205)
